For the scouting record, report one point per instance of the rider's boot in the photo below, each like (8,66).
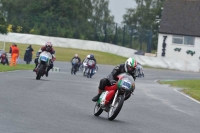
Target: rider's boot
(47,72)
(34,70)
(94,99)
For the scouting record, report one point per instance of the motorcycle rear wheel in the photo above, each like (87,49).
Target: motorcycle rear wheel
(97,110)
(114,111)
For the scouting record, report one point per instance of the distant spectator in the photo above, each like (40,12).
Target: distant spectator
(14,55)
(10,51)
(28,54)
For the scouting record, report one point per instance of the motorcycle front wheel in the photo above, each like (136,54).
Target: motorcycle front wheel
(97,110)
(84,72)
(88,73)
(39,72)
(114,111)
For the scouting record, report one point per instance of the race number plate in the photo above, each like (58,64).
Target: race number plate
(126,84)
(44,58)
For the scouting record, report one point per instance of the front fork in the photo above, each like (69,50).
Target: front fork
(114,99)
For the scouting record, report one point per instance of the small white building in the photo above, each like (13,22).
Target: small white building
(179,33)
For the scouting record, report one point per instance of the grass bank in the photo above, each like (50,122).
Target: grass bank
(66,54)
(4,68)
(190,87)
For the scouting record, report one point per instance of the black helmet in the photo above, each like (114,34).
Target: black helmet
(92,56)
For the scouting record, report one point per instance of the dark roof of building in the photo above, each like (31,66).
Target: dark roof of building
(181,17)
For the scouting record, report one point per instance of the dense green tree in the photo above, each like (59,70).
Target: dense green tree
(143,19)
(65,18)
(3,24)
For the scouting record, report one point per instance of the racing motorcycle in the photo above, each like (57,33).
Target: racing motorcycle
(89,69)
(43,63)
(74,66)
(84,65)
(112,98)
(139,71)
(4,59)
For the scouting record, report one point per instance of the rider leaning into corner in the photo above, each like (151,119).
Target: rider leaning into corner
(129,67)
(49,48)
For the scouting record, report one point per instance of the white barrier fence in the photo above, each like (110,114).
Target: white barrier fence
(182,65)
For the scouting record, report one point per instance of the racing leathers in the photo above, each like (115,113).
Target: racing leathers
(111,78)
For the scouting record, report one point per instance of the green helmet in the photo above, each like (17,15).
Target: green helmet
(130,65)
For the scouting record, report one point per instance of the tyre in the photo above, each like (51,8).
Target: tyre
(88,73)
(39,72)
(72,71)
(128,94)
(142,74)
(96,68)
(84,72)
(81,67)
(97,110)
(114,111)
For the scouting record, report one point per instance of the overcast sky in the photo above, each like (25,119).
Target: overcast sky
(118,8)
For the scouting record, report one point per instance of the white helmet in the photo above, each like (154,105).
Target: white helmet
(88,56)
(130,65)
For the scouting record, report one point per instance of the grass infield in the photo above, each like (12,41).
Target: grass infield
(190,87)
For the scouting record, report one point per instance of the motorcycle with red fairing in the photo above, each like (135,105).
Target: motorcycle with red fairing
(112,98)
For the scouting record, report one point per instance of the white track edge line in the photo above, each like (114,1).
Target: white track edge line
(187,96)
(156,81)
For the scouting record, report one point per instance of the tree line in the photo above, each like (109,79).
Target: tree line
(82,19)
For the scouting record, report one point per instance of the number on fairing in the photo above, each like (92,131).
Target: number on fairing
(90,62)
(74,61)
(44,58)
(126,84)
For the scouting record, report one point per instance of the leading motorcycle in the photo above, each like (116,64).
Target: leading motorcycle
(43,63)
(112,98)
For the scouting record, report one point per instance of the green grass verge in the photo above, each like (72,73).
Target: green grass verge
(4,68)
(66,54)
(190,87)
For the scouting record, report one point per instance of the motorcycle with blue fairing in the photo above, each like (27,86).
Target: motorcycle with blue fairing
(75,64)
(44,61)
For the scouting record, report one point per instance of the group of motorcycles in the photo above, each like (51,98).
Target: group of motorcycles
(111,99)
(89,68)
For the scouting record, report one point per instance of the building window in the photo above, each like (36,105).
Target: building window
(185,40)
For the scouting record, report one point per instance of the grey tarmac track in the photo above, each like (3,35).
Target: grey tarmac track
(61,103)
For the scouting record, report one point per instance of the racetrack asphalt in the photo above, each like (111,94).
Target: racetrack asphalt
(61,103)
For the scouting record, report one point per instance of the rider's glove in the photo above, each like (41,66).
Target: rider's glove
(113,82)
(53,59)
